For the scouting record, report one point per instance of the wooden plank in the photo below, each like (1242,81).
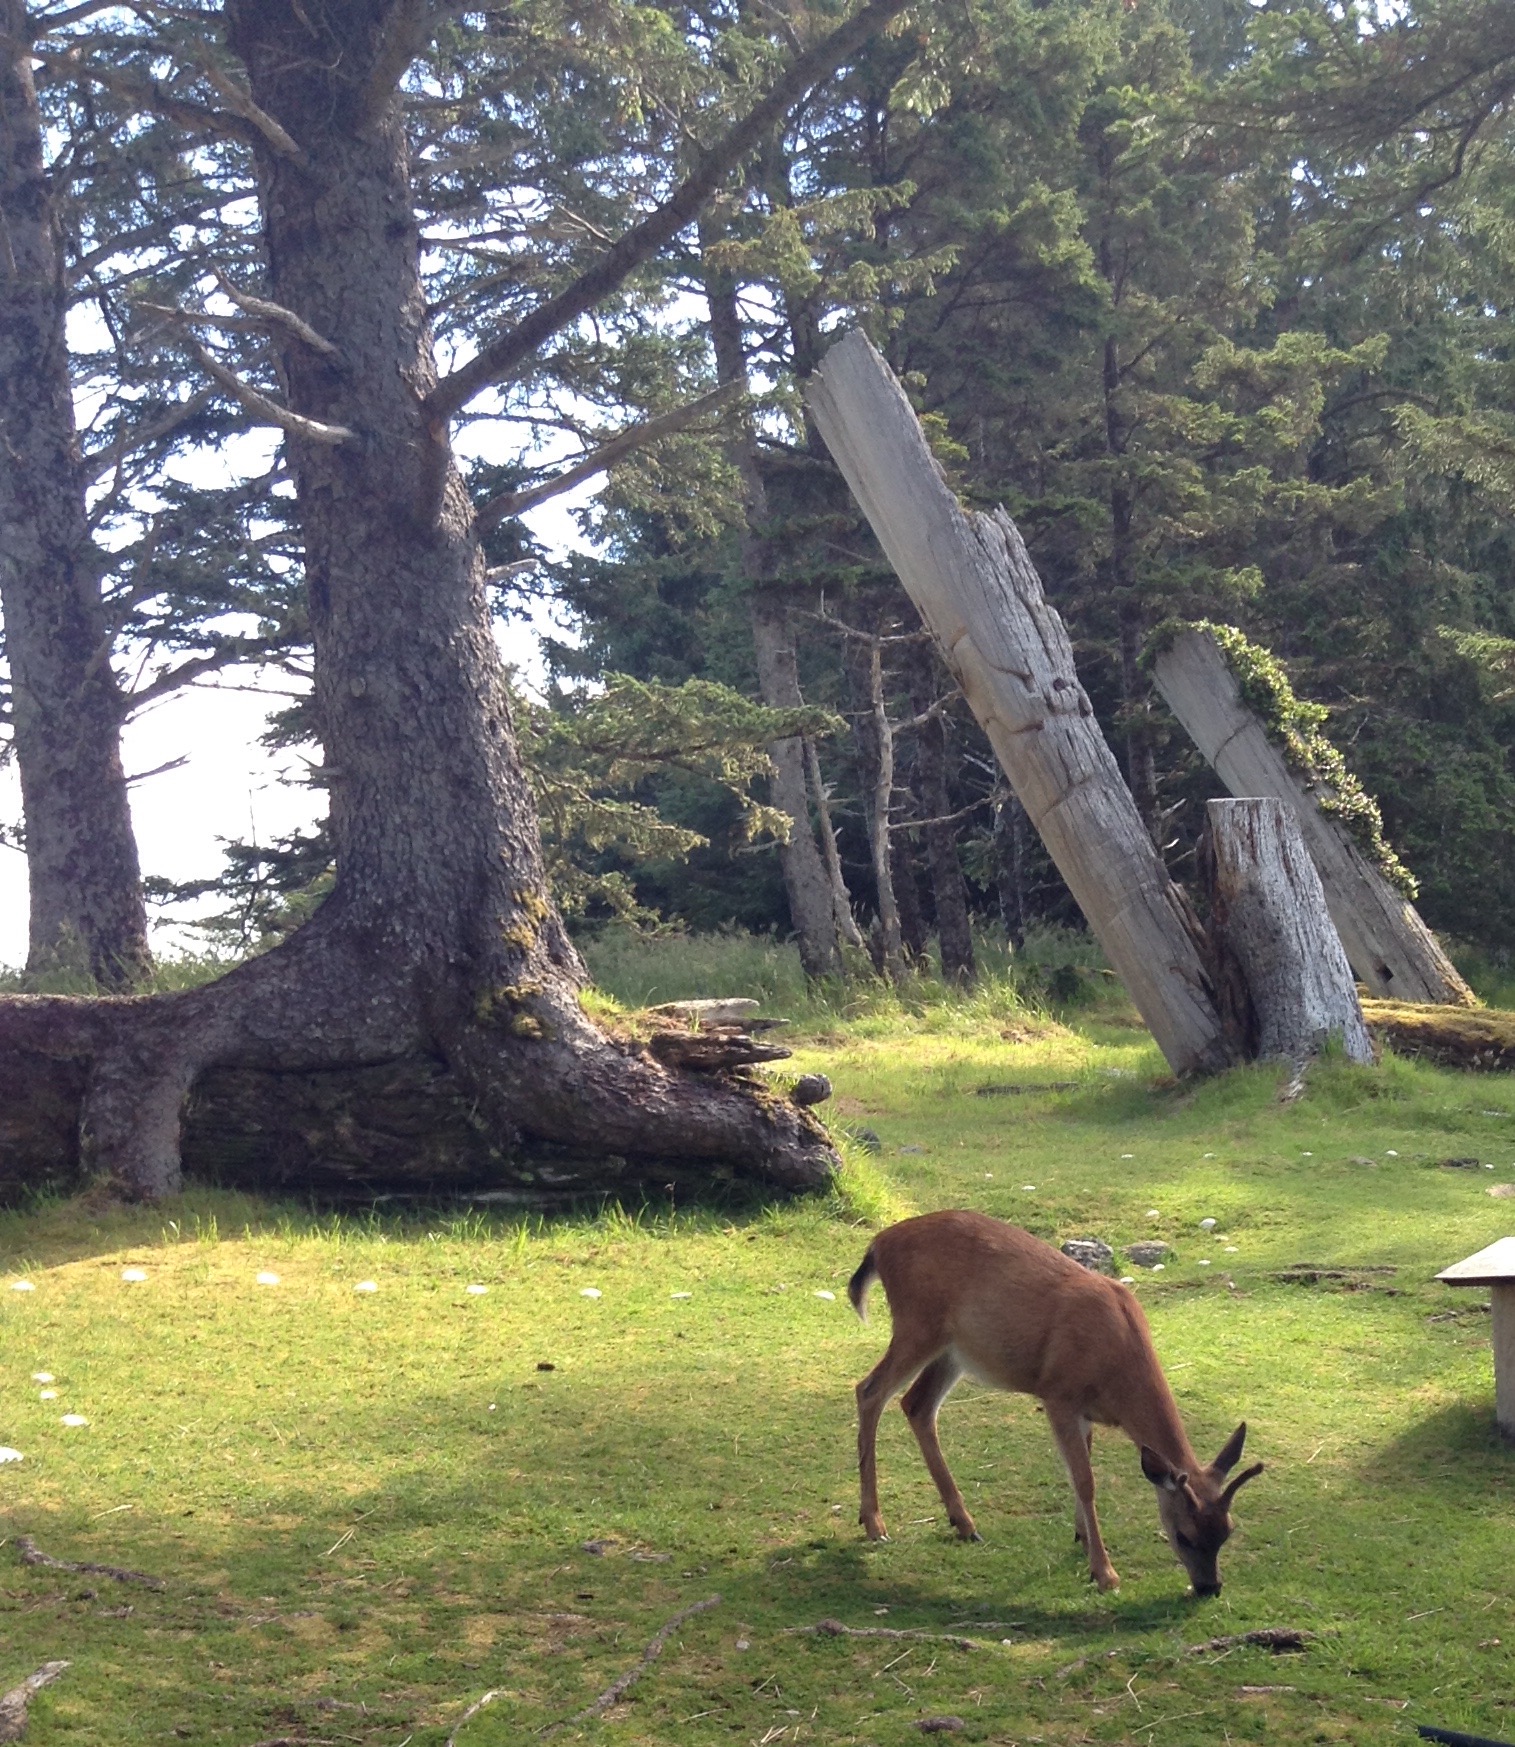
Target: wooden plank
(978,592)
(1390,948)
(1268,915)
(1488,1267)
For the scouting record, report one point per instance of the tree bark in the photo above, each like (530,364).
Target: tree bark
(807,883)
(87,911)
(1389,947)
(439,940)
(1269,920)
(841,899)
(875,738)
(949,889)
(977,591)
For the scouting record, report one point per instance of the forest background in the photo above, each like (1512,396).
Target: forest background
(1214,297)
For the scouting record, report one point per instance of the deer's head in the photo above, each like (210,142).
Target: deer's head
(1195,1509)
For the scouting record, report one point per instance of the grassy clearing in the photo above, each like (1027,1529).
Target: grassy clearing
(371,1507)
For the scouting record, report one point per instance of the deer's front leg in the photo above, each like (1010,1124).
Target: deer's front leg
(1072,1434)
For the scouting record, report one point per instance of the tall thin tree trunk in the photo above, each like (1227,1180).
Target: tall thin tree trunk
(1141,765)
(841,898)
(949,889)
(876,743)
(1010,872)
(86,895)
(809,886)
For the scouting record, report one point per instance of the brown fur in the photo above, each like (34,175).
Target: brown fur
(970,1294)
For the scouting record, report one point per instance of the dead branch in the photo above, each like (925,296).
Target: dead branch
(835,1629)
(623,443)
(275,315)
(240,102)
(664,222)
(618,1688)
(32,1554)
(15,1703)
(266,411)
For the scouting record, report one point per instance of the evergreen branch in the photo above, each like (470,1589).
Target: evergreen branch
(235,652)
(515,503)
(144,94)
(104,460)
(633,247)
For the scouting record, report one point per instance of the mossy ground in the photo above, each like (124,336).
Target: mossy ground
(370,1508)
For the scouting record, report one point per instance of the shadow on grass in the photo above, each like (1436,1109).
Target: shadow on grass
(1459,1449)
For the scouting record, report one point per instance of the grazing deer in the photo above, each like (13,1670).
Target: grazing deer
(972,1294)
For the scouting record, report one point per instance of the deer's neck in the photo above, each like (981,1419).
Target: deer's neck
(1150,1416)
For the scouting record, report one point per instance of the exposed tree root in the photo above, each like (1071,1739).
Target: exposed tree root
(15,1704)
(32,1554)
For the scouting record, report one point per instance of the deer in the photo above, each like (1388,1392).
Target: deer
(970,1295)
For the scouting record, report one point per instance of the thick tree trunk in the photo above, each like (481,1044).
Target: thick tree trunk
(438,940)
(1389,947)
(1010,875)
(949,889)
(807,883)
(86,897)
(977,591)
(1268,920)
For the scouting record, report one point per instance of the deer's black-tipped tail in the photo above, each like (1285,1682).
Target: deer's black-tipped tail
(857,1286)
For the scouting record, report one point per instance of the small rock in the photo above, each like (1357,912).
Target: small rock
(598,1548)
(810,1089)
(940,1725)
(546,1365)
(912,1149)
(1090,1253)
(1459,1164)
(866,1138)
(1358,1159)
(1501,1191)
(1148,1254)
(1208,1224)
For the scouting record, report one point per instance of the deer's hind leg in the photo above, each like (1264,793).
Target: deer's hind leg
(922,1404)
(904,1360)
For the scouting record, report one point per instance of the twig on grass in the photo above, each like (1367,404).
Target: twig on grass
(14,1704)
(618,1688)
(473,1710)
(835,1629)
(32,1554)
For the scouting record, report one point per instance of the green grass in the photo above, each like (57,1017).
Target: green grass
(368,1509)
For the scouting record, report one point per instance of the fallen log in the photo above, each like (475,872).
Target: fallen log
(1478,1038)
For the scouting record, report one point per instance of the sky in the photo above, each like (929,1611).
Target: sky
(229,787)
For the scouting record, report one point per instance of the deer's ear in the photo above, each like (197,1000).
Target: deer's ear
(1158,1471)
(1230,1454)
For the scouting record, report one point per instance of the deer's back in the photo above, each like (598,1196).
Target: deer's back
(1018,1313)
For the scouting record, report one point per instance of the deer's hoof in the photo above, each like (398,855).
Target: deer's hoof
(1107,1579)
(967,1532)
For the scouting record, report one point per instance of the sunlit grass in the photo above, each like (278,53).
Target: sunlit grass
(369,1507)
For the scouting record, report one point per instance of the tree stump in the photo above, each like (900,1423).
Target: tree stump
(1389,947)
(978,593)
(1284,982)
